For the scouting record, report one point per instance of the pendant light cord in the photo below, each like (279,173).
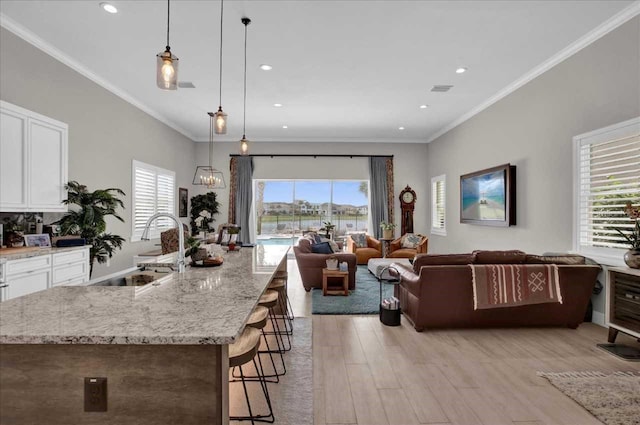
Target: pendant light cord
(168,16)
(246,22)
(221,15)
(211,118)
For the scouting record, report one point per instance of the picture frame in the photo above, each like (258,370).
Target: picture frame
(41,240)
(183,202)
(488,197)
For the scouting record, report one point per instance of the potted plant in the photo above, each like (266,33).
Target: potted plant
(632,256)
(327,227)
(387,229)
(233,240)
(332,262)
(86,219)
(207,202)
(194,251)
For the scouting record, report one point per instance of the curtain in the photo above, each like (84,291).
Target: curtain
(381,186)
(241,194)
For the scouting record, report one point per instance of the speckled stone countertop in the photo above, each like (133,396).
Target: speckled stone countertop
(42,251)
(200,306)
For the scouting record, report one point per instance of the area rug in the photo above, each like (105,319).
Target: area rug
(612,398)
(365,299)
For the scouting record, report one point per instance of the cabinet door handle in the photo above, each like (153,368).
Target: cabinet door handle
(4,285)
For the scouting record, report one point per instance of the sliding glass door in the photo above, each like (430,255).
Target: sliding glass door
(289,208)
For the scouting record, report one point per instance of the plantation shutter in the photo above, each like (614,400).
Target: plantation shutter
(609,177)
(153,192)
(438,213)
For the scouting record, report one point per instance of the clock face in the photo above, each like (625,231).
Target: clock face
(407,197)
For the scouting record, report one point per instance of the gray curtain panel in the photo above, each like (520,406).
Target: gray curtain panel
(379,197)
(244,195)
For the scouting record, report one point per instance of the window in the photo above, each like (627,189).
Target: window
(438,213)
(153,192)
(607,177)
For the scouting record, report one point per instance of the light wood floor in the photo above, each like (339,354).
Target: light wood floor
(366,373)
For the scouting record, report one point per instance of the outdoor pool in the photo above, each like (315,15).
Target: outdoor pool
(278,241)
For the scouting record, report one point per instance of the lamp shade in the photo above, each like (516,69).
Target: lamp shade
(244,146)
(167,70)
(208,176)
(220,122)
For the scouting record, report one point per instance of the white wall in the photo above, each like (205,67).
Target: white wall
(533,128)
(408,162)
(105,132)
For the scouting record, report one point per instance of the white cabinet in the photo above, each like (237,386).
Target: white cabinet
(28,275)
(33,161)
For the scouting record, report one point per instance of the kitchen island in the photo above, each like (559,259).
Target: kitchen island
(163,350)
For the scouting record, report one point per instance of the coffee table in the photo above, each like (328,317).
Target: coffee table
(329,274)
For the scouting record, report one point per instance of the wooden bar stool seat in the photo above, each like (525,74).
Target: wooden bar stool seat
(245,348)
(258,318)
(269,299)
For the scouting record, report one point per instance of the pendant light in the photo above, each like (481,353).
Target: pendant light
(167,63)
(244,143)
(220,123)
(207,175)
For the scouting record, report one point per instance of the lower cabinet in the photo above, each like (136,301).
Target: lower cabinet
(25,276)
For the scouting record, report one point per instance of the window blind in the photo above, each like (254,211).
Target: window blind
(438,213)
(609,177)
(153,192)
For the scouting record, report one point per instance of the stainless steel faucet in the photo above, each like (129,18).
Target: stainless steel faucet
(145,237)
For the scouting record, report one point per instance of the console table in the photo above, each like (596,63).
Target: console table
(623,302)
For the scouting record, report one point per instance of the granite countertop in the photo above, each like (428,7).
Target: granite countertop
(200,306)
(42,251)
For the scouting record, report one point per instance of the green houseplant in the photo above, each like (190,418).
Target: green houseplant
(387,229)
(87,219)
(207,202)
(632,256)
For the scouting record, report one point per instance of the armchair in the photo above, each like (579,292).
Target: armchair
(397,251)
(363,254)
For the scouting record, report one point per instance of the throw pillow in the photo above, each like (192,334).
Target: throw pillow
(359,240)
(334,246)
(321,248)
(410,240)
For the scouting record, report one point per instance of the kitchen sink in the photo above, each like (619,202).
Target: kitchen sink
(137,278)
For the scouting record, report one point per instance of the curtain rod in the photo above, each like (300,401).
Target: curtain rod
(314,155)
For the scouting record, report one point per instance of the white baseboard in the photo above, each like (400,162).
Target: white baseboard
(598,319)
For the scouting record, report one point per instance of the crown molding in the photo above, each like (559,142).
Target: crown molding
(31,38)
(601,30)
(317,140)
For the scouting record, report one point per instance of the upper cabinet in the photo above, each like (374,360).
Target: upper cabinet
(33,161)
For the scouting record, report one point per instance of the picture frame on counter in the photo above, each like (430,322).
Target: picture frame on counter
(41,240)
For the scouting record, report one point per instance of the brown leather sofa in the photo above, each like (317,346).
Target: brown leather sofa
(438,292)
(311,264)
(397,251)
(363,254)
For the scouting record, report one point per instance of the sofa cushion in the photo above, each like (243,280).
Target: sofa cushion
(321,248)
(410,240)
(441,260)
(359,239)
(568,259)
(333,244)
(499,257)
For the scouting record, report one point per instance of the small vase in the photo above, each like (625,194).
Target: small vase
(332,263)
(387,233)
(200,254)
(632,258)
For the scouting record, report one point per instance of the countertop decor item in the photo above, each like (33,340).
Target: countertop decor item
(87,219)
(632,256)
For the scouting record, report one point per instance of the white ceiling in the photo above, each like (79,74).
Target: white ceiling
(344,70)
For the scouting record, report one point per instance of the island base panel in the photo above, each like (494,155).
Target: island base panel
(147,384)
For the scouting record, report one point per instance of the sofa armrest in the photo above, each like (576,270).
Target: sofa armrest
(395,244)
(423,246)
(374,243)
(351,246)
(408,278)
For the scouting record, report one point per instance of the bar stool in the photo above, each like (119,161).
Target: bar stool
(258,320)
(241,352)
(270,299)
(284,275)
(280,285)
(277,287)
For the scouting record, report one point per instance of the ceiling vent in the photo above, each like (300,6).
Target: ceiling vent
(186,85)
(441,89)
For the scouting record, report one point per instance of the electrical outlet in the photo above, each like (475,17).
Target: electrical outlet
(95,394)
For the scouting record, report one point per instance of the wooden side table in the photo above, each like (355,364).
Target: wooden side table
(327,274)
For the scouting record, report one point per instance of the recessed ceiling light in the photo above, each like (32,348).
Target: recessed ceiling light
(461,70)
(285,126)
(108,7)
(277,105)
(266,67)
(423,106)
(400,128)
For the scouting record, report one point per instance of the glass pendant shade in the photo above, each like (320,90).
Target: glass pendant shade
(208,176)
(167,70)
(244,146)
(220,122)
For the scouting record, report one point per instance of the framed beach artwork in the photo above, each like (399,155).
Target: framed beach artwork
(488,197)
(183,201)
(42,240)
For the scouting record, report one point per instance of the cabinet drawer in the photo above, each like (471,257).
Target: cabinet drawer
(73,282)
(70,271)
(70,257)
(27,264)
(27,283)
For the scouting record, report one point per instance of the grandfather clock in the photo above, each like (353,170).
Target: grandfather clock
(407,204)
